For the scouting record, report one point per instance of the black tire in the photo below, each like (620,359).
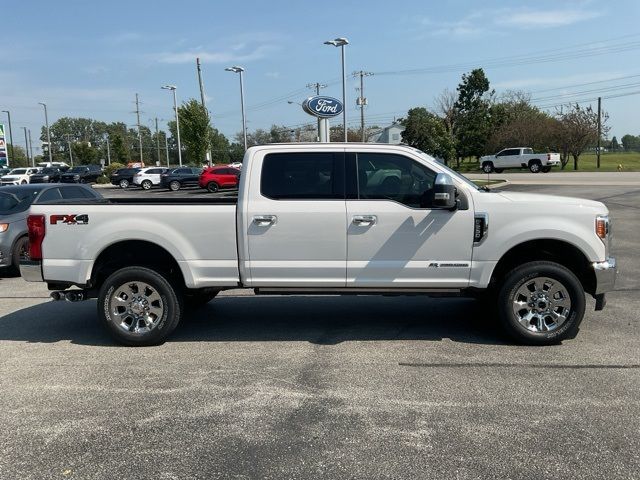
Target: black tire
(146,184)
(512,322)
(174,186)
(199,298)
(535,166)
(82,180)
(546,169)
(487,167)
(170,302)
(124,183)
(212,187)
(20,250)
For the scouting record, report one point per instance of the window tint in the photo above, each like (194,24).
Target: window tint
(394,177)
(50,195)
(73,192)
(154,171)
(182,170)
(290,176)
(511,151)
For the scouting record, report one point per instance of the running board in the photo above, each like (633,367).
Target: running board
(355,291)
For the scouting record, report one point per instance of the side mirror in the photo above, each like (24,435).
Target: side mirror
(444,192)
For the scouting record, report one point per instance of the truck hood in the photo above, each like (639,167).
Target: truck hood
(555,200)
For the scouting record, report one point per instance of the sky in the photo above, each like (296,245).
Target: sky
(87,58)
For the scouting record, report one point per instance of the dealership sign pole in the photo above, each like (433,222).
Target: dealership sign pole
(323,108)
(4,156)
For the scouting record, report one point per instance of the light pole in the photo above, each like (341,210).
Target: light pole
(46,121)
(106,136)
(10,132)
(26,144)
(240,70)
(341,42)
(173,88)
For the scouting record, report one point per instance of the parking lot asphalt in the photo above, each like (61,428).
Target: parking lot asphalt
(325,387)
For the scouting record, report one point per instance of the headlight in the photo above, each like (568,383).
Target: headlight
(4,227)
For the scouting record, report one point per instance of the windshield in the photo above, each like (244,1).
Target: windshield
(449,170)
(49,170)
(18,171)
(15,201)
(77,170)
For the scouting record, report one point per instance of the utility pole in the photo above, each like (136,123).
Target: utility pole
(139,132)
(599,129)
(166,148)
(46,120)
(362,100)
(317,86)
(157,140)
(70,151)
(203,103)
(108,151)
(31,145)
(26,144)
(10,132)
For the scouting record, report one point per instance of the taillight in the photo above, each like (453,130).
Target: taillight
(548,156)
(36,226)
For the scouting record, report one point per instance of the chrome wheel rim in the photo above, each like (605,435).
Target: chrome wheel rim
(535,167)
(124,183)
(174,185)
(136,307)
(487,168)
(541,304)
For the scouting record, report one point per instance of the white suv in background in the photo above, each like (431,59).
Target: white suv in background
(148,177)
(18,176)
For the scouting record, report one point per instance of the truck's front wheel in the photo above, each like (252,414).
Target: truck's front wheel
(541,303)
(139,306)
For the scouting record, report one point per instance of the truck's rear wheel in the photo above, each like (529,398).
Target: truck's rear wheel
(487,167)
(535,166)
(139,306)
(541,303)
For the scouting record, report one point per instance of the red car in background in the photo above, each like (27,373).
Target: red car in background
(219,177)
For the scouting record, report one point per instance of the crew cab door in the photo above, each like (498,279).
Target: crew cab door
(394,238)
(508,158)
(295,220)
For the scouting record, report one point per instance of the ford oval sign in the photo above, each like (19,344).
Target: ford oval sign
(322,107)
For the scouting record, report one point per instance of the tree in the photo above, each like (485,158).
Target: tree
(472,119)
(630,143)
(428,132)
(579,130)
(195,129)
(19,158)
(516,122)
(83,153)
(614,146)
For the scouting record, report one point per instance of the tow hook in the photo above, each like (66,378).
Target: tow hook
(69,295)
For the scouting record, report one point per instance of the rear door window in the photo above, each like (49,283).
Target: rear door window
(303,176)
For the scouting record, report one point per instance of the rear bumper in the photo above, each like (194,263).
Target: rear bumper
(606,273)
(31,270)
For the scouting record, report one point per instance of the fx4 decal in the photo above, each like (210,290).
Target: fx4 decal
(70,219)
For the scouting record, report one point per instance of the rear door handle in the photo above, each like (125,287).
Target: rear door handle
(265,220)
(365,220)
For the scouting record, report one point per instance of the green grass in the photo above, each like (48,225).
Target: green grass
(587,163)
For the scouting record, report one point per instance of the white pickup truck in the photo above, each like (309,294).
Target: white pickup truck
(521,157)
(329,218)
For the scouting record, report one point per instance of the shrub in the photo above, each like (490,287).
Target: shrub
(109,169)
(102,180)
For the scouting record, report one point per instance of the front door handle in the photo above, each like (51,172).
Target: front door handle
(365,220)
(265,220)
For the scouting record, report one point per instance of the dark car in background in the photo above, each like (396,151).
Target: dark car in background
(180,177)
(4,171)
(123,177)
(46,175)
(82,174)
(14,209)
